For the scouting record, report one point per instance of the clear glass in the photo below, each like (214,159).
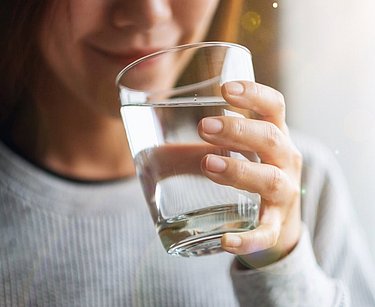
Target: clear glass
(163,98)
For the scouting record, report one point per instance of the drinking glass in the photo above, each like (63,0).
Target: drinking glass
(163,98)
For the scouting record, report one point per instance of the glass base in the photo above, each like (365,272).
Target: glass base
(197,247)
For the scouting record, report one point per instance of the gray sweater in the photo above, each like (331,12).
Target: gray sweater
(64,243)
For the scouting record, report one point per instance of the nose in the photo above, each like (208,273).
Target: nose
(140,13)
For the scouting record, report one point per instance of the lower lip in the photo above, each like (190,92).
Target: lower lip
(124,61)
(142,64)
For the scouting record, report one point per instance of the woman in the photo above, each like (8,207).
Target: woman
(74,227)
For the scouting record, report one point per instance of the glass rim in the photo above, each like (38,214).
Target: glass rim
(174,49)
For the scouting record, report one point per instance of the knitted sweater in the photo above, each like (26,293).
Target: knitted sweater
(66,243)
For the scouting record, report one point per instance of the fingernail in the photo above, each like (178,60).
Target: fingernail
(212,125)
(234,88)
(232,240)
(215,164)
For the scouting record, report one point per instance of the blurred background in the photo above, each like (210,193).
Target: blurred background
(321,55)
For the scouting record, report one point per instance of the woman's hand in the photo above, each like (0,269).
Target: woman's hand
(276,178)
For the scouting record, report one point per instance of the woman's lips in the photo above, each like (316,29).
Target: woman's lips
(128,57)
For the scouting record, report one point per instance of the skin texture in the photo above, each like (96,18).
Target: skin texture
(276,179)
(84,44)
(79,134)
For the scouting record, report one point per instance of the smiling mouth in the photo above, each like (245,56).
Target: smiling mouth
(125,58)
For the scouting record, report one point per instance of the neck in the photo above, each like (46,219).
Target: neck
(73,140)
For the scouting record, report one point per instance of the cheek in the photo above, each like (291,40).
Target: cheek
(64,61)
(79,77)
(73,68)
(59,43)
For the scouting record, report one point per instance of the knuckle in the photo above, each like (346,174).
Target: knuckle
(295,193)
(280,100)
(238,129)
(253,88)
(255,92)
(272,135)
(241,174)
(297,159)
(274,182)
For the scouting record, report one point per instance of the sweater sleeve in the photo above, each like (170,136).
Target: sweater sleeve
(296,280)
(331,264)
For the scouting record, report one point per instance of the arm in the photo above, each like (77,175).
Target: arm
(289,272)
(331,265)
(295,280)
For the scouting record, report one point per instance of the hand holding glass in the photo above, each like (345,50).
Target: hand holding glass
(163,97)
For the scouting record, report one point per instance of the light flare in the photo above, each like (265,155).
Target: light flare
(251,21)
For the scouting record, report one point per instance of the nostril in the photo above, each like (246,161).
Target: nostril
(141,13)
(120,18)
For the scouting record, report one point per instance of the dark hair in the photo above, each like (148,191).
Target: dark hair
(19,24)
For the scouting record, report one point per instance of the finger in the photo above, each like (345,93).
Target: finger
(270,182)
(248,135)
(265,236)
(265,101)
